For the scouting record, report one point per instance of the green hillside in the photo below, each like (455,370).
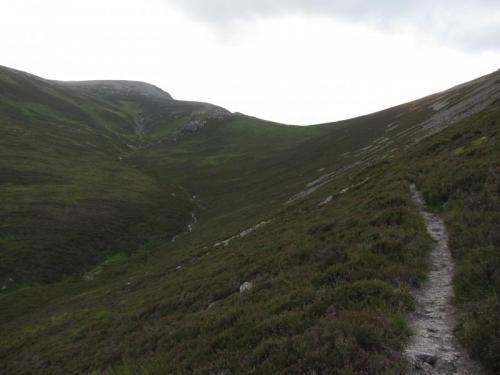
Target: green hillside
(141,234)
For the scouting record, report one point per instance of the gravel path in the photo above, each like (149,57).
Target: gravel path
(434,348)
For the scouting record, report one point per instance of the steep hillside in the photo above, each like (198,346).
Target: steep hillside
(149,235)
(70,194)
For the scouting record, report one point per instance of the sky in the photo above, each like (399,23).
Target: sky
(291,61)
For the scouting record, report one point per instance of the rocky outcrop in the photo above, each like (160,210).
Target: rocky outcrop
(242,234)
(194,125)
(200,118)
(461,102)
(325,201)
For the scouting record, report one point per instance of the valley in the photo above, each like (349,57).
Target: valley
(131,221)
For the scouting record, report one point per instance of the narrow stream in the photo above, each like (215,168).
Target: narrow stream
(434,349)
(189,227)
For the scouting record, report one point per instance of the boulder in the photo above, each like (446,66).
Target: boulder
(246,287)
(431,359)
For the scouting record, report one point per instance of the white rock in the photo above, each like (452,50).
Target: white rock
(325,201)
(246,287)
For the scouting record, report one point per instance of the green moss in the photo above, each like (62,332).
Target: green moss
(479,141)
(56,320)
(102,314)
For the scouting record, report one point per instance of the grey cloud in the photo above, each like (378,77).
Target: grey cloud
(468,24)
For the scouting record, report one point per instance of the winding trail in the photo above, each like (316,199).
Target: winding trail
(434,349)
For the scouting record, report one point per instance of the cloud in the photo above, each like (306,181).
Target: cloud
(472,25)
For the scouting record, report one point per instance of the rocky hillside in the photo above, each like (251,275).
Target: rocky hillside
(141,234)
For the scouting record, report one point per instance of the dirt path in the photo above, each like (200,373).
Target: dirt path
(434,348)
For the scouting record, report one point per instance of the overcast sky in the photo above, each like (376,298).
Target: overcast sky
(292,61)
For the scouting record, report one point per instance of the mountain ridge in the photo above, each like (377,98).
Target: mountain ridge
(130,86)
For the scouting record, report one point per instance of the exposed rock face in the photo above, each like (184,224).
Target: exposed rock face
(212,112)
(201,117)
(434,349)
(452,108)
(242,234)
(194,125)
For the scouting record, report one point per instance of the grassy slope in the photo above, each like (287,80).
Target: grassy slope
(331,290)
(126,175)
(330,283)
(310,282)
(77,162)
(67,199)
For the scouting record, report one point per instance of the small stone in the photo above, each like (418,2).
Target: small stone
(246,287)
(447,367)
(431,359)
(212,305)
(325,201)
(330,312)
(428,369)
